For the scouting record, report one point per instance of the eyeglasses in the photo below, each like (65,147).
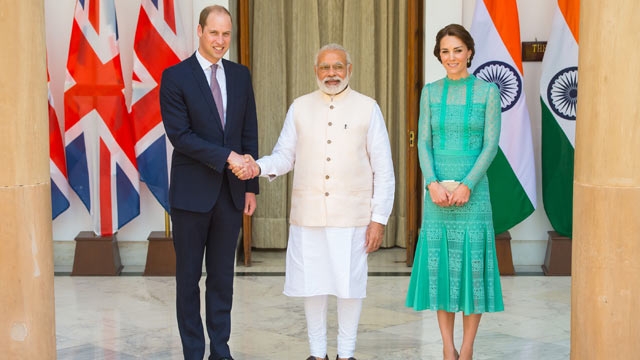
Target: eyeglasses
(337,67)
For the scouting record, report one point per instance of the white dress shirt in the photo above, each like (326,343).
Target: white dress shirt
(220,76)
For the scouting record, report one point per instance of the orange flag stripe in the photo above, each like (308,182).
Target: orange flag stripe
(504,15)
(571,11)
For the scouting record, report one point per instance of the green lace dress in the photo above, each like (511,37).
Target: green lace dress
(455,266)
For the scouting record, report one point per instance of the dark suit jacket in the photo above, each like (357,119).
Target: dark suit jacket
(201,146)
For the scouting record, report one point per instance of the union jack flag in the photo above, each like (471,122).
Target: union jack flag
(57,163)
(159,43)
(99,139)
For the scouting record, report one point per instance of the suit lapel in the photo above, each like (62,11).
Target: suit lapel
(231,88)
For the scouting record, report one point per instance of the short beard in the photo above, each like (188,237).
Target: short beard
(333,89)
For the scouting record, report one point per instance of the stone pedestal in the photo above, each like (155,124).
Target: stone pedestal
(96,255)
(503,253)
(161,255)
(557,260)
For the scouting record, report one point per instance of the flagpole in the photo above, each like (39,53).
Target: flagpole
(244,38)
(167,225)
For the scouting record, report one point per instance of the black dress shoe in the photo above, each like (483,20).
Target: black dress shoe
(326,357)
(351,358)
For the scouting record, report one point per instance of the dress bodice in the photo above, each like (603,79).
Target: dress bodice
(459,117)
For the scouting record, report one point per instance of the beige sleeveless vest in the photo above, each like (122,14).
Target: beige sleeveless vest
(332,180)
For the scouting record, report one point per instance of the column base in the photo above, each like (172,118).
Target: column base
(503,253)
(96,255)
(557,260)
(161,255)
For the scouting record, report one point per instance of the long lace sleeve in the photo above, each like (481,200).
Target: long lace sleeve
(425,141)
(491,138)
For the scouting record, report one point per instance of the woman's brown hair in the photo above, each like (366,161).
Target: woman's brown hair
(461,33)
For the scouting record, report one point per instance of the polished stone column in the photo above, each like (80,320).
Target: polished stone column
(605,293)
(27,328)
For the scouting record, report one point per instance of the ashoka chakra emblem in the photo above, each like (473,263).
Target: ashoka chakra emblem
(507,79)
(562,93)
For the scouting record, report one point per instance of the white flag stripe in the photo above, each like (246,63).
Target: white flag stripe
(87,127)
(117,155)
(146,83)
(150,137)
(58,177)
(518,146)
(105,44)
(561,53)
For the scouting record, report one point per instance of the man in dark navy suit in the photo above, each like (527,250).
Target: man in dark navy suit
(209,114)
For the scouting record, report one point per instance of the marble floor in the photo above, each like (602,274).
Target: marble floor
(132,317)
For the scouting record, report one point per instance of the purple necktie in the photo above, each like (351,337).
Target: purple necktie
(217,94)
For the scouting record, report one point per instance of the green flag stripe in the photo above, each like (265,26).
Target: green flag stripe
(557,174)
(509,202)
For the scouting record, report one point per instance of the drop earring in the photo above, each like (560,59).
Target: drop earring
(468,61)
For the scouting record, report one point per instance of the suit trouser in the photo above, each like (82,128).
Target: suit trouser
(213,235)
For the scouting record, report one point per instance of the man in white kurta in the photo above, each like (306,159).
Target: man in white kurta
(336,141)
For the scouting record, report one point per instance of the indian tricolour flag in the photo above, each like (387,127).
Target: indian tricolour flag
(558,96)
(498,59)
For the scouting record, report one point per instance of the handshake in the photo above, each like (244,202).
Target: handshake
(243,166)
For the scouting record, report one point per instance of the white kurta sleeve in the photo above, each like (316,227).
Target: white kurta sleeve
(379,150)
(283,156)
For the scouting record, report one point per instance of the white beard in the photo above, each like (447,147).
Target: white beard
(333,89)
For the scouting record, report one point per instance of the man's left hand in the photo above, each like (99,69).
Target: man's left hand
(250,203)
(375,234)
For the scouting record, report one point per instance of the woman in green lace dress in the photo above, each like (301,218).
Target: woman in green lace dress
(455,267)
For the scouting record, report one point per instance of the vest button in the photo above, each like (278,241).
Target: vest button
(328,159)
(326,194)
(327,177)
(328,141)
(330,123)
(331,107)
